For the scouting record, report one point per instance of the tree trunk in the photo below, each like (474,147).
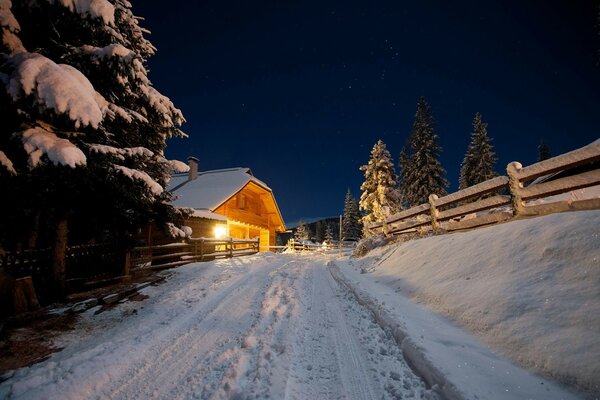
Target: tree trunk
(59,255)
(33,233)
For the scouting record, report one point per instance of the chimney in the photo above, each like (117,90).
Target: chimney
(193,164)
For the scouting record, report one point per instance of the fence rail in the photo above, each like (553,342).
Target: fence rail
(504,197)
(194,249)
(84,265)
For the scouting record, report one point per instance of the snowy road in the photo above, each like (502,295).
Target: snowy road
(267,326)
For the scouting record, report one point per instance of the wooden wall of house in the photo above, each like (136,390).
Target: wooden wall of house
(202,227)
(152,235)
(247,207)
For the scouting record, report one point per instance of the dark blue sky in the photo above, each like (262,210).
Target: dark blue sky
(300,91)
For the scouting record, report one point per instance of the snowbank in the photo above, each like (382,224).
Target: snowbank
(528,288)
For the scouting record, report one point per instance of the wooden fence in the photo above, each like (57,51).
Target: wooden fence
(84,265)
(305,245)
(194,249)
(505,197)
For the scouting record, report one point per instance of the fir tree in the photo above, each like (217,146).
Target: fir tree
(84,125)
(351,225)
(380,197)
(479,161)
(403,176)
(328,234)
(543,152)
(301,232)
(426,176)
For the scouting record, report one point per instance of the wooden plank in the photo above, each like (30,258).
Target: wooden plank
(171,255)
(479,221)
(480,205)
(572,159)
(562,206)
(161,247)
(404,214)
(561,185)
(480,189)
(407,225)
(168,265)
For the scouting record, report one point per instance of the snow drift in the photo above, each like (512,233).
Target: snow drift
(528,288)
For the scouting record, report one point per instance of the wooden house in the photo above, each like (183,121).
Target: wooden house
(228,202)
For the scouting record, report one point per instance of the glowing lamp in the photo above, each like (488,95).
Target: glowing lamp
(220,231)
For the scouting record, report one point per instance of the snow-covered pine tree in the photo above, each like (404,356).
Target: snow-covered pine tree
(328,234)
(403,176)
(478,163)
(84,129)
(543,152)
(427,176)
(380,197)
(301,232)
(351,225)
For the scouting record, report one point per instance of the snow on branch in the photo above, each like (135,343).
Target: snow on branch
(10,27)
(6,163)
(121,153)
(7,19)
(38,141)
(178,166)
(57,86)
(95,8)
(179,232)
(163,105)
(135,174)
(113,50)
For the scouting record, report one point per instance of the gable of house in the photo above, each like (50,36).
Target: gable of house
(248,203)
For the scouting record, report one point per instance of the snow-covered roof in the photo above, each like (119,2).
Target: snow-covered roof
(211,188)
(208,215)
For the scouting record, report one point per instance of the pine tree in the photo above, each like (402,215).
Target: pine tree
(380,197)
(403,176)
(328,234)
(84,125)
(426,176)
(351,225)
(479,161)
(301,232)
(543,152)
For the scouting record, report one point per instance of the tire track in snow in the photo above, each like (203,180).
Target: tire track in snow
(340,352)
(175,366)
(262,370)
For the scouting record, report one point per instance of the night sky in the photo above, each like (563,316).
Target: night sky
(300,91)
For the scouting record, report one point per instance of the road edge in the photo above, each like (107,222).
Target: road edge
(415,357)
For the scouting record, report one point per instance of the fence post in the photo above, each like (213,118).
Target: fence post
(434,212)
(201,249)
(515,186)
(258,245)
(230,247)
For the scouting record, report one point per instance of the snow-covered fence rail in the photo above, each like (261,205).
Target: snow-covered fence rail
(194,249)
(504,197)
(302,245)
(584,162)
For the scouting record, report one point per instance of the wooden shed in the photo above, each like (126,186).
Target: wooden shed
(228,202)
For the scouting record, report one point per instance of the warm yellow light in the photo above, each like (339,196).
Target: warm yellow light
(220,231)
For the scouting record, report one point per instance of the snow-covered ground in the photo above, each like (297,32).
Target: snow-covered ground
(266,326)
(312,326)
(529,289)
